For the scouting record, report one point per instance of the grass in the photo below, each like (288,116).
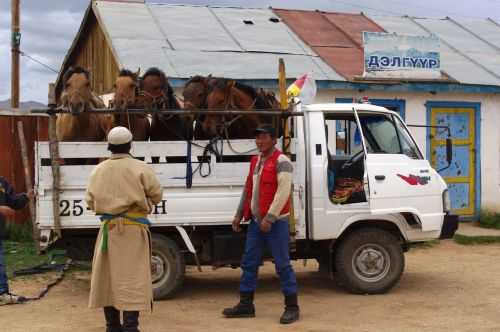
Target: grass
(474,240)
(489,219)
(21,255)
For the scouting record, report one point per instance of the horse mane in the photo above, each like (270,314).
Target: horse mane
(75,70)
(261,102)
(127,73)
(196,79)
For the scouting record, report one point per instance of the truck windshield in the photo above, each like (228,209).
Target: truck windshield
(386,134)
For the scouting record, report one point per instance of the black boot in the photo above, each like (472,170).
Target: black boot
(112,319)
(244,309)
(292,311)
(130,321)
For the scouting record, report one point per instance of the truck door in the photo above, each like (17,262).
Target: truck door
(398,178)
(299,179)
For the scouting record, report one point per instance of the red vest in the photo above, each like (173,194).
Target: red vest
(268,186)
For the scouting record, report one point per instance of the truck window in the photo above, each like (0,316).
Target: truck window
(386,134)
(345,159)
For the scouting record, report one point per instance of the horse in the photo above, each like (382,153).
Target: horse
(227,94)
(126,96)
(165,127)
(78,97)
(195,94)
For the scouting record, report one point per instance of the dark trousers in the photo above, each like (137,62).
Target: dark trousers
(4,286)
(277,241)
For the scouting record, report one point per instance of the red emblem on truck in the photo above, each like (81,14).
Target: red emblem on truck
(415,180)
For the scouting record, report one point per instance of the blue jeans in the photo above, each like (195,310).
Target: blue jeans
(4,286)
(278,241)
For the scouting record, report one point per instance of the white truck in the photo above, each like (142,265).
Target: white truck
(363,193)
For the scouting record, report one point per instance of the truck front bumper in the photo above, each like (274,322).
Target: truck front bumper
(450,226)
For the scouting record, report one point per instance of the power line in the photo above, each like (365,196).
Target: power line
(37,61)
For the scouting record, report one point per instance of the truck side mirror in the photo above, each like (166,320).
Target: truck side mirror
(449,150)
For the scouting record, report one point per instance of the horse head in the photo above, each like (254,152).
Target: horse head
(77,95)
(225,94)
(195,93)
(126,89)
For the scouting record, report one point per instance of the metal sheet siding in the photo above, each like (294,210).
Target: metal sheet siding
(261,35)
(192,40)
(337,38)
(193,28)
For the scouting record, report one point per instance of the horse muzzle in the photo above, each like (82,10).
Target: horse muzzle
(77,108)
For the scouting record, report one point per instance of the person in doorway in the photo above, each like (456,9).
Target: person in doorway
(266,201)
(122,190)
(9,201)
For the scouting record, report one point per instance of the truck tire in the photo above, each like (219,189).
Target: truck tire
(168,267)
(369,261)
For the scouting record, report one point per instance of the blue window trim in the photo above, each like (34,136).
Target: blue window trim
(477,144)
(399,103)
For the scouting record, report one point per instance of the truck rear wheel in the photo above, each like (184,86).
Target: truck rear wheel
(369,261)
(168,267)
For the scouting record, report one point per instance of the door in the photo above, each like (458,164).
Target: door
(462,175)
(399,178)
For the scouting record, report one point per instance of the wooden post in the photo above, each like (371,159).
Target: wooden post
(54,159)
(286,138)
(15,44)
(27,180)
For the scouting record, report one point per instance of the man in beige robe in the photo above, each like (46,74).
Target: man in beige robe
(122,190)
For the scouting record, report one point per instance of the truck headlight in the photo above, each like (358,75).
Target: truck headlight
(446,201)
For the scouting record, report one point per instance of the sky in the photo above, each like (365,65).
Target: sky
(49,26)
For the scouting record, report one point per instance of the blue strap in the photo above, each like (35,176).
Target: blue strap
(189,167)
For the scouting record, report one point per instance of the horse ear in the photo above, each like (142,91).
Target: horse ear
(138,72)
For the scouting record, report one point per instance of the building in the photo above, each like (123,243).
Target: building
(245,44)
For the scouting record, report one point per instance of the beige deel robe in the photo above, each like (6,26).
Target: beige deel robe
(121,277)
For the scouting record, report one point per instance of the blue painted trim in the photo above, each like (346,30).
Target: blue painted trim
(477,144)
(395,87)
(399,103)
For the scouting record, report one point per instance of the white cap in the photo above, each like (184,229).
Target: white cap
(119,135)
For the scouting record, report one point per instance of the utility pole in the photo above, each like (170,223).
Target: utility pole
(15,44)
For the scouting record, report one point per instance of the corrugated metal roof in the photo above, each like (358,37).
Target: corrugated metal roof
(190,40)
(464,56)
(336,37)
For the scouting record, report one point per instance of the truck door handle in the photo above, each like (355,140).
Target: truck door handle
(380,177)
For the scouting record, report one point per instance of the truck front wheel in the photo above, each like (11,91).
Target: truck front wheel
(168,267)
(369,261)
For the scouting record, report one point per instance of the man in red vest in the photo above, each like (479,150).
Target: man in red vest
(266,201)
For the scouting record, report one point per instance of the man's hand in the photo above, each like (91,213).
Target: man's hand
(236,224)
(7,212)
(265,226)
(31,194)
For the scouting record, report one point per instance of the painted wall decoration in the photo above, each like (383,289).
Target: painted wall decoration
(388,55)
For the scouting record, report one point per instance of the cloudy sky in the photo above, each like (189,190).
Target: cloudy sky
(49,26)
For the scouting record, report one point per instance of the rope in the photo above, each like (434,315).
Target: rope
(49,266)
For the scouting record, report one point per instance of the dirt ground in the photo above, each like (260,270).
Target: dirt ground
(444,288)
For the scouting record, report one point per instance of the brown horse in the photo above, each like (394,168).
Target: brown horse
(79,98)
(156,93)
(126,96)
(226,94)
(195,98)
